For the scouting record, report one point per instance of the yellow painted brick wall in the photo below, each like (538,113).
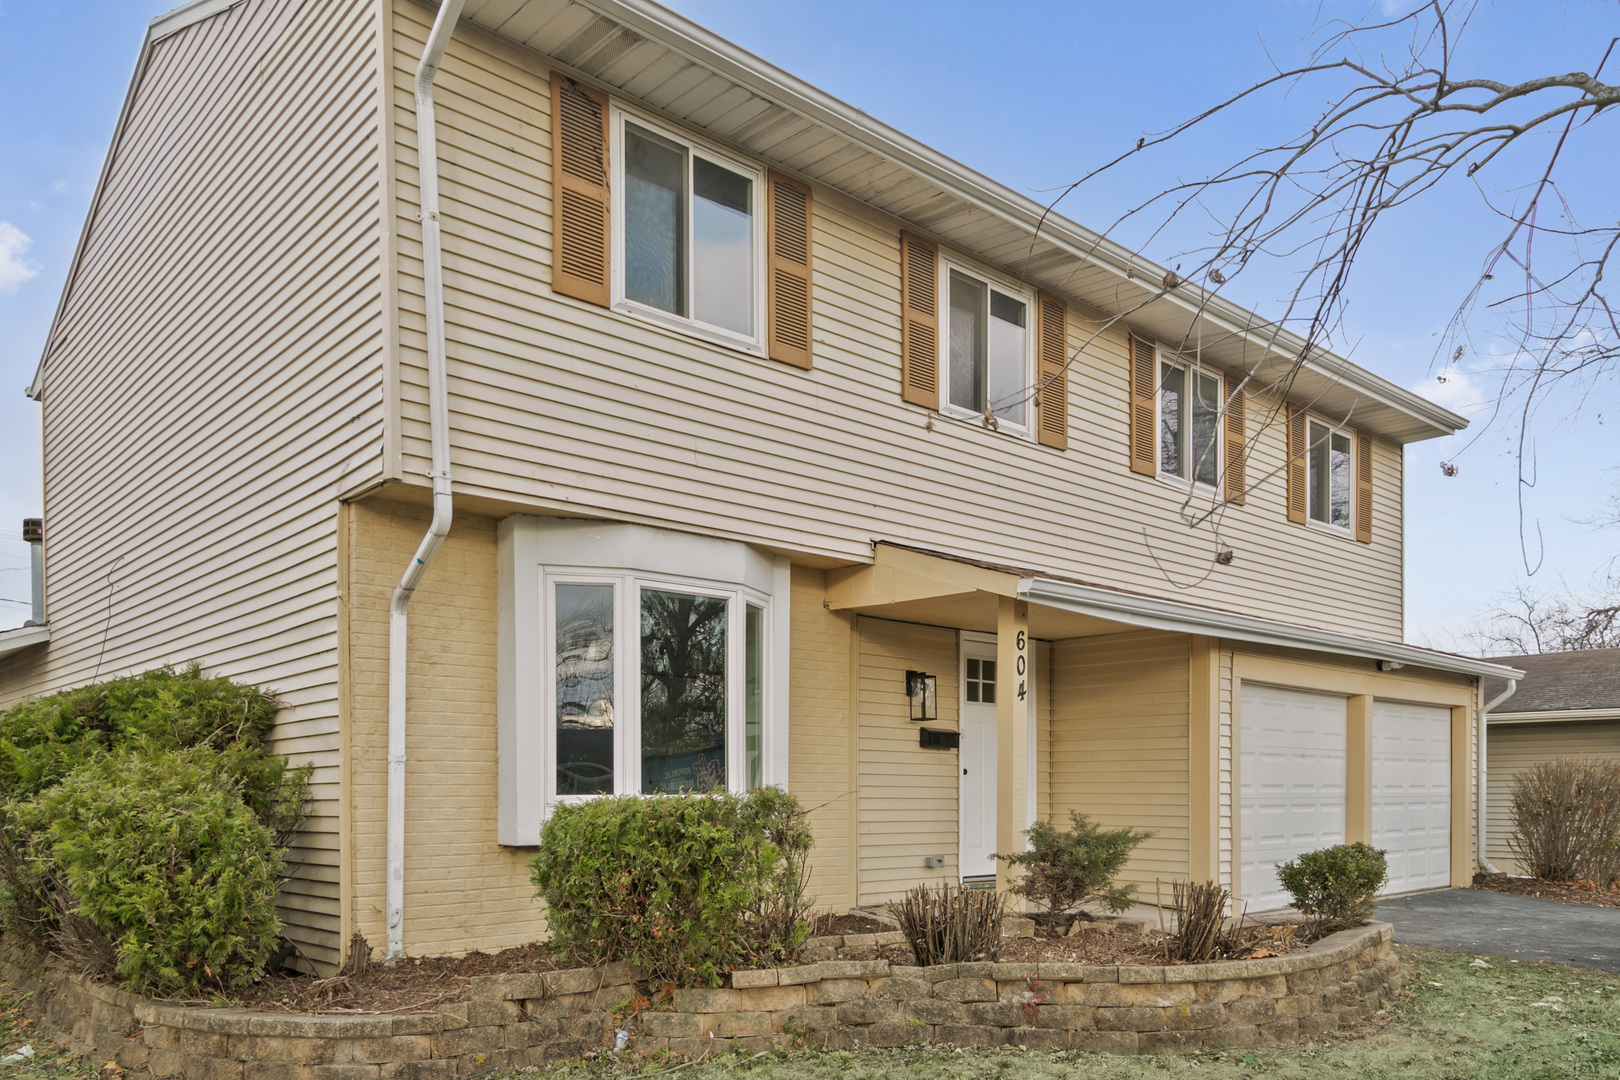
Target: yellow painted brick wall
(463,891)
(818,741)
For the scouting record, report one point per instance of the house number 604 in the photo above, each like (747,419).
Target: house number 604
(1021,665)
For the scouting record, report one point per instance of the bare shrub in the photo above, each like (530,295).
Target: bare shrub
(1200,908)
(1566,819)
(951,925)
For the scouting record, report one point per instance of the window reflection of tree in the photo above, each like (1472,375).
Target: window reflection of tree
(683,674)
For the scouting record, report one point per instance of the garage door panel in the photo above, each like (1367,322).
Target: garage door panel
(1411,793)
(1292,764)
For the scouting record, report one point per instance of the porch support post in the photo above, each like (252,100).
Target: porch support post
(1014,655)
(1204,758)
(1358,770)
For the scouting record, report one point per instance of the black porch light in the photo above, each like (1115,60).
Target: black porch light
(921,693)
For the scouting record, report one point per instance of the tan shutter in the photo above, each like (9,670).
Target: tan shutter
(1144,381)
(788,239)
(1296,464)
(1237,434)
(919,321)
(1052,374)
(579,227)
(1364,488)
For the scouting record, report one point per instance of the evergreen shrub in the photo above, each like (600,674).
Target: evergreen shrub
(687,887)
(1065,868)
(1335,888)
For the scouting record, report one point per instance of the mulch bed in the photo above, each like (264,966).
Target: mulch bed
(415,984)
(830,923)
(1585,892)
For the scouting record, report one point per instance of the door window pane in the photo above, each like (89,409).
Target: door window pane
(1339,480)
(683,692)
(967,343)
(1172,405)
(1206,410)
(754,695)
(654,222)
(584,636)
(722,247)
(1009,350)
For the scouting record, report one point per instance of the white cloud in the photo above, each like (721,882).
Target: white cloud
(14,269)
(1455,389)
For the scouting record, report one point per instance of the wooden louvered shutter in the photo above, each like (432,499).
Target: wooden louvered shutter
(1144,381)
(788,246)
(1364,488)
(1052,374)
(1296,464)
(919,321)
(1234,476)
(580,206)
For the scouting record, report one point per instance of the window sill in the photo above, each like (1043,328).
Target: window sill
(1190,487)
(1343,532)
(688,329)
(976,420)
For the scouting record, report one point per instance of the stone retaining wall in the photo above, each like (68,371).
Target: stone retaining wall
(514,1021)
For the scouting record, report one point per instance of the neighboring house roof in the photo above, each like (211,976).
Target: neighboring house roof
(693,76)
(1580,685)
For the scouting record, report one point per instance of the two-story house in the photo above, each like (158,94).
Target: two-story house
(562,401)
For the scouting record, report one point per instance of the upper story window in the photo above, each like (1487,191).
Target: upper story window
(987,353)
(1189,423)
(688,238)
(1328,479)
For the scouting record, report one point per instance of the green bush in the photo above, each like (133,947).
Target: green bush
(162,856)
(1335,888)
(58,846)
(685,886)
(1064,869)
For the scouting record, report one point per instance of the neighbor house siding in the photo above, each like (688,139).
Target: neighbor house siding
(214,382)
(908,794)
(1120,751)
(463,890)
(1515,747)
(565,407)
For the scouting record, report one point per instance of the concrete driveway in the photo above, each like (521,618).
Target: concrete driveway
(1496,924)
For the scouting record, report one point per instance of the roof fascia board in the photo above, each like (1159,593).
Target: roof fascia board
(24,637)
(1186,619)
(165,25)
(1548,716)
(708,49)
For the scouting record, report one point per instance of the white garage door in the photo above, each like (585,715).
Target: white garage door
(1292,776)
(1411,793)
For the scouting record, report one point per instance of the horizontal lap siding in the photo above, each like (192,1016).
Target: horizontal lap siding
(215,382)
(463,890)
(1514,747)
(1120,751)
(570,408)
(819,733)
(908,794)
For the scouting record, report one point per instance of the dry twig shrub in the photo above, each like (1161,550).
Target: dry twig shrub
(951,925)
(1566,819)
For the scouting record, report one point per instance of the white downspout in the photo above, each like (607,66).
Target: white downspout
(427,151)
(1484,714)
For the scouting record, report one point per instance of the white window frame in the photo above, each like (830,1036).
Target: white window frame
(686,324)
(947,264)
(1348,529)
(1193,371)
(533,555)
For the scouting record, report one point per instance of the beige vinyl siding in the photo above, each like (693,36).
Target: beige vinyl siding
(1120,750)
(215,382)
(819,735)
(463,891)
(1513,747)
(564,407)
(908,794)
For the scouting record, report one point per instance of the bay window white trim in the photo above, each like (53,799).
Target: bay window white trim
(534,556)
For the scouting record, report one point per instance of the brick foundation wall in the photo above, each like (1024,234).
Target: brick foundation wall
(513,1021)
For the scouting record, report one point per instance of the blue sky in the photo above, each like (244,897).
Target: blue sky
(1033,94)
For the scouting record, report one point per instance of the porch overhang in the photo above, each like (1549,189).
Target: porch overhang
(23,637)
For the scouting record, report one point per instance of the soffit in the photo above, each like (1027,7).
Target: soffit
(666,62)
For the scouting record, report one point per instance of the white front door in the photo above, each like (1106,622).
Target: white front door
(977,758)
(1411,793)
(1292,759)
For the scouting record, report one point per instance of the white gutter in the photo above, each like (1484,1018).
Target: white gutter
(1155,614)
(1556,716)
(24,637)
(710,50)
(1479,811)
(439,423)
